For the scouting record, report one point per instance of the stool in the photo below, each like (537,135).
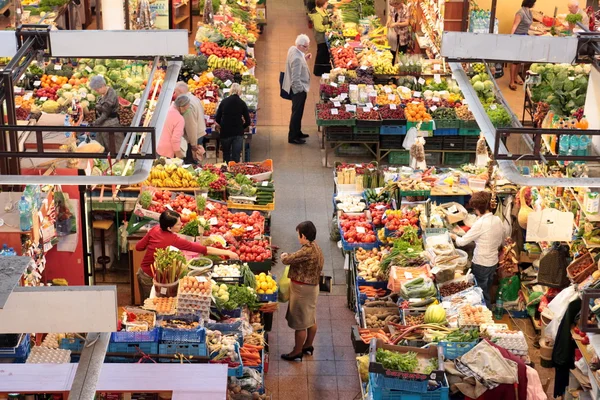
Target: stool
(103,226)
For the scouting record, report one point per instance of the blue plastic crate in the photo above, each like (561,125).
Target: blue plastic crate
(377,393)
(20,350)
(353,246)
(446,132)
(197,335)
(377,285)
(187,349)
(228,329)
(238,372)
(268,297)
(393,130)
(135,337)
(73,344)
(262,362)
(398,384)
(130,348)
(518,314)
(453,350)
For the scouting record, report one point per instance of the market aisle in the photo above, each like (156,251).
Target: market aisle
(304,190)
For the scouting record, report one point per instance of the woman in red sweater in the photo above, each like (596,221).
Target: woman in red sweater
(162,236)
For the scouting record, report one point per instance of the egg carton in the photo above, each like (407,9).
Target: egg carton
(194,300)
(44,355)
(203,314)
(193,306)
(52,340)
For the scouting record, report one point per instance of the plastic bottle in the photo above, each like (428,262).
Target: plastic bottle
(564,144)
(499,311)
(574,144)
(584,124)
(67,123)
(11,252)
(25,215)
(4,250)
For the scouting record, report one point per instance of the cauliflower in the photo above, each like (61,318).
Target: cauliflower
(428,94)
(91,97)
(50,107)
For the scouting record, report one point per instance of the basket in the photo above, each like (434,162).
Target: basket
(586,259)
(454,350)
(377,393)
(135,337)
(197,335)
(393,130)
(18,351)
(186,349)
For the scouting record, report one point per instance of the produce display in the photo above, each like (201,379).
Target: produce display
(356,229)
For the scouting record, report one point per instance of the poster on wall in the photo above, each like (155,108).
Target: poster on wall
(160,9)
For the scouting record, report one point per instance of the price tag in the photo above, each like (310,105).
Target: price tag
(265,183)
(464,101)
(57,67)
(437,67)
(349,63)
(334,111)
(249,228)
(210,75)
(228,83)
(337,104)
(236,226)
(37,83)
(353,87)
(437,78)
(421,81)
(433,108)
(339,50)
(343,96)
(27,96)
(136,102)
(415,102)
(350,108)
(453,210)
(380,207)
(209,93)
(226,90)
(169,207)
(391,97)
(346,45)
(88,69)
(414,300)
(196,78)
(387,89)
(364,67)
(249,96)
(54,78)
(236,48)
(341,79)
(163,290)
(206,101)
(408,275)
(370,105)
(571,78)
(366,109)
(210,206)
(253,87)
(493,107)
(333,84)
(325,76)
(213,221)
(417,94)
(435,270)
(393,107)
(358,165)
(43,98)
(436,99)
(360,229)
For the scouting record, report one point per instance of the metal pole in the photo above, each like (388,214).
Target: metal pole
(493,15)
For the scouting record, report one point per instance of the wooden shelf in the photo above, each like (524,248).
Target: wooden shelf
(181,19)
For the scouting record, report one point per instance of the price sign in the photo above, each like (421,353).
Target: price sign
(380,207)
(206,101)
(435,270)
(388,90)
(213,221)
(493,107)
(437,67)
(453,210)
(415,102)
(360,229)
(391,97)
(366,109)
(433,108)
(136,102)
(249,228)
(334,111)
(346,45)
(88,69)
(417,94)
(343,96)
(209,93)
(341,78)
(414,300)
(236,48)
(196,78)
(437,78)
(57,67)
(464,101)
(337,104)
(333,84)
(27,96)
(43,98)
(339,50)
(236,226)
(169,207)
(436,99)
(54,78)
(226,91)
(265,183)
(210,206)
(364,67)
(253,87)
(408,275)
(571,78)
(37,83)
(393,107)
(370,105)
(350,108)
(353,87)
(325,76)
(228,83)
(421,81)
(210,75)
(349,63)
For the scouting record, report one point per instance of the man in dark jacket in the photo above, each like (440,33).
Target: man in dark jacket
(231,121)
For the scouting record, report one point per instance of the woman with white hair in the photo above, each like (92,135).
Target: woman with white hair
(172,143)
(107,107)
(231,121)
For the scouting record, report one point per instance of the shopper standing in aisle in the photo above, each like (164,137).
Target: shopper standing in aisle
(305,270)
(162,236)
(521,25)
(172,142)
(488,234)
(398,34)
(296,82)
(232,119)
(321,23)
(107,108)
(574,9)
(195,125)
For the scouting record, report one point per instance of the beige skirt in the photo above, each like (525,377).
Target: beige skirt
(302,307)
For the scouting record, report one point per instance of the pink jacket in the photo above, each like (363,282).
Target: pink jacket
(170,138)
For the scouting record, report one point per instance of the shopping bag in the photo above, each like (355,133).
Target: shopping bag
(410,138)
(284,287)
(282,93)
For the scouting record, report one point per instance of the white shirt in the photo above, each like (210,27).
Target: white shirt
(488,234)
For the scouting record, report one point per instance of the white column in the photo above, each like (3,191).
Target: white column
(113,15)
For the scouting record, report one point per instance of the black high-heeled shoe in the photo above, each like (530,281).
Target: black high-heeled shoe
(292,357)
(308,350)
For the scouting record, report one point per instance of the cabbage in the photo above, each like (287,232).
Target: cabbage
(476,78)
(578,70)
(91,97)
(488,85)
(100,69)
(478,86)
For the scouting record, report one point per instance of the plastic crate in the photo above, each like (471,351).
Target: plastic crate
(368,123)
(335,122)
(377,284)
(135,337)
(338,132)
(268,297)
(392,130)
(469,131)
(518,313)
(469,124)
(377,393)
(235,313)
(457,158)
(366,130)
(186,349)
(434,143)
(234,328)
(399,157)
(238,372)
(471,143)
(425,126)
(454,350)
(432,159)
(454,143)
(391,142)
(447,123)
(197,335)
(365,137)
(18,351)
(130,348)
(446,132)
(73,344)
(352,246)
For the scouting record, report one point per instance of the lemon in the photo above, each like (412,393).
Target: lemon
(262,275)
(264,285)
(269,291)
(260,291)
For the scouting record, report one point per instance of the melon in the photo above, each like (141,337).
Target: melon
(124,103)
(435,314)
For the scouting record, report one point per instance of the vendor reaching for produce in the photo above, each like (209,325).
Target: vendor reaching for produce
(321,23)
(107,108)
(195,126)
(305,270)
(488,234)
(162,236)
(172,142)
(398,35)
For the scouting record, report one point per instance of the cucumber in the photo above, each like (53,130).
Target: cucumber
(265,189)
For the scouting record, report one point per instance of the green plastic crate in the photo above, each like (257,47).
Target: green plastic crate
(469,132)
(469,125)
(457,158)
(447,123)
(425,126)
(399,157)
(366,130)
